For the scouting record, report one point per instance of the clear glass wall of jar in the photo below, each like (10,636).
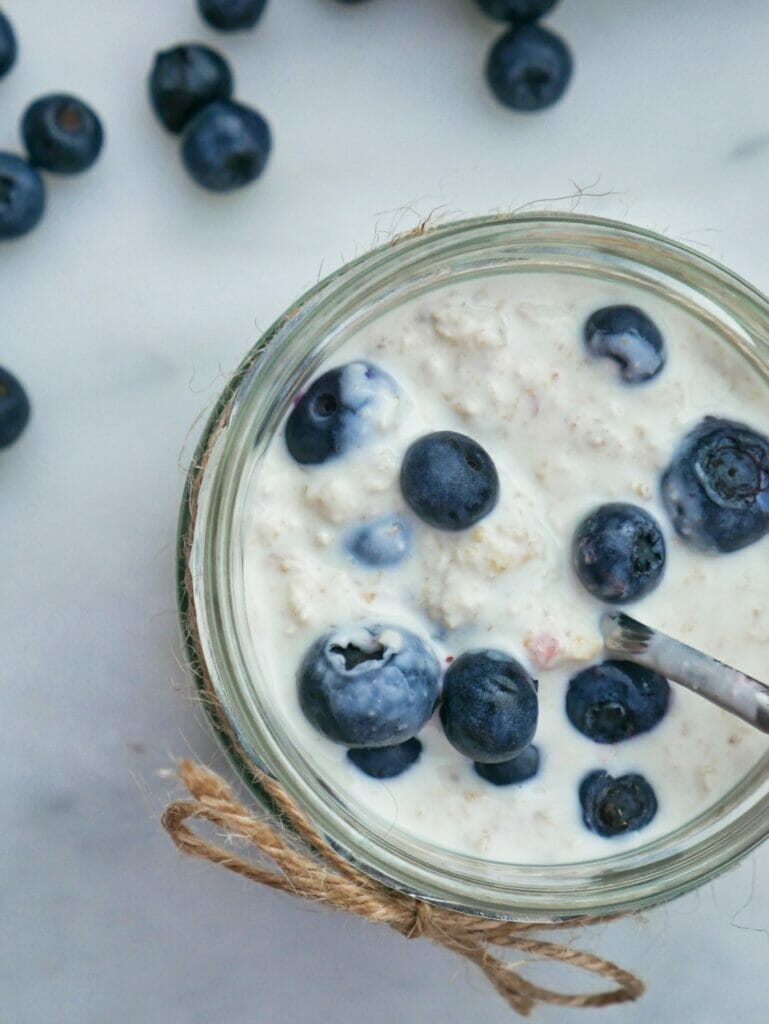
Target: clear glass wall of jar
(211,572)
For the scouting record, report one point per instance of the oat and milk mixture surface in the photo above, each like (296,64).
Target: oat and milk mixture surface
(503,361)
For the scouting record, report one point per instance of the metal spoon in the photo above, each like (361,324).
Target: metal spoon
(727,687)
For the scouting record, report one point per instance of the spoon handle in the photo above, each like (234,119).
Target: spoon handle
(730,689)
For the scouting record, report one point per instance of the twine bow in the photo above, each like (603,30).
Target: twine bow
(319,874)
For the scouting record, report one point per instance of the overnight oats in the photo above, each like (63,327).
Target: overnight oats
(424,540)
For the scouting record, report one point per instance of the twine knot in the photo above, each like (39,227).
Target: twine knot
(420,922)
(305,865)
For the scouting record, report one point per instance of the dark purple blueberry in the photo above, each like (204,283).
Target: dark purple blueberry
(225,146)
(368,686)
(616,700)
(185,79)
(449,481)
(231,15)
(629,337)
(716,488)
(338,412)
(489,706)
(14,408)
(8,46)
(516,10)
(22,196)
(386,762)
(611,807)
(62,134)
(529,68)
(618,553)
(521,768)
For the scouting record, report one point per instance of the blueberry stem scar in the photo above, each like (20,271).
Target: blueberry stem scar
(730,689)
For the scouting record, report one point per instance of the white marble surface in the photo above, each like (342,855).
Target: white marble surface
(125,311)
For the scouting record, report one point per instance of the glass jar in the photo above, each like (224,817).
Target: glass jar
(249,412)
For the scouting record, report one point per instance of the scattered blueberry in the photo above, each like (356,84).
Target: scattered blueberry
(8,47)
(509,773)
(184,80)
(489,706)
(529,68)
(612,806)
(517,10)
(616,700)
(618,553)
(62,134)
(381,543)
(22,196)
(626,335)
(338,412)
(386,762)
(14,408)
(231,15)
(226,145)
(716,488)
(368,686)
(449,480)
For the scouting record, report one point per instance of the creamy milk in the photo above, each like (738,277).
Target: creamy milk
(501,359)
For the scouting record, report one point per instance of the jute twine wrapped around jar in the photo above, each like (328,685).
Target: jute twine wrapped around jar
(290,855)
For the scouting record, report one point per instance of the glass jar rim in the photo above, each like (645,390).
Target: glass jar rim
(627,881)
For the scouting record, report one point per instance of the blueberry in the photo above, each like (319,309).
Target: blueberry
(626,335)
(368,686)
(184,80)
(449,480)
(8,47)
(618,553)
(338,412)
(386,762)
(612,806)
(616,700)
(14,408)
(62,134)
(226,146)
(22,196)
(231,15)
(489,706)
(529,68)
(716,488)
(381,543)
(517,10)
(521,768)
